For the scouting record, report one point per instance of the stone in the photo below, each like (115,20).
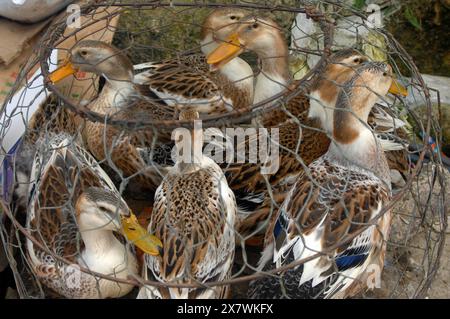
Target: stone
(30,11)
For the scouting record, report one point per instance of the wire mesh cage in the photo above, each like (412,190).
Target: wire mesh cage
(278,216)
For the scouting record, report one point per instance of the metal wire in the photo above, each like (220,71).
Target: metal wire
(424,234)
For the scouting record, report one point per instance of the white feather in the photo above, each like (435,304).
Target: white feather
(390,145)
(268,86)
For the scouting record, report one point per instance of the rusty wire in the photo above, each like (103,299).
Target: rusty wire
(54,36)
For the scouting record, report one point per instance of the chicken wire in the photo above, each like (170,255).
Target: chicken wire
(419,223)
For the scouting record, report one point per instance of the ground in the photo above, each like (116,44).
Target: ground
(416,239)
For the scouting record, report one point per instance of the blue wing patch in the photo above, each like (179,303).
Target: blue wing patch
(7,172)
(352,258)
(281,224)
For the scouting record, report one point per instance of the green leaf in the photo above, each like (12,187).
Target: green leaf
(359,4)
(412,18)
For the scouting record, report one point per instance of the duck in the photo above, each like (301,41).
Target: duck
(76,213)
(342,196)
(298,120)
(188,81)
(121,99)
(216,26)
(194,214)
(301,141)
(265,38)
(132,155)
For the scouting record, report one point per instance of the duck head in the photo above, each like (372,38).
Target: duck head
(324,93)
(218,25)
(370,82)
(95,57)
(189,142)
(260,35)
(340,69)
(101,209)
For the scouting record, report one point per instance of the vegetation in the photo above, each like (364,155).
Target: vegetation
(423,28)
(152,34)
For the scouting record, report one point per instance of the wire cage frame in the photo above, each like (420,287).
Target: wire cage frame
(418,233)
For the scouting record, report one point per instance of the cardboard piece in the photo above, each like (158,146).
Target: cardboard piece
(10,72)
(15,38)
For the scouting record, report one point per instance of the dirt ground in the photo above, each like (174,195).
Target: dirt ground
(413,247)
(441,286)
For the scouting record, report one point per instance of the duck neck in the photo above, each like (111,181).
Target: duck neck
(208,44)
(359,144)
(236,71)
(190,148)
(353,142)
(274,75)
(322,109)
(98,241)
(239,73)
(119,88)
(323,98)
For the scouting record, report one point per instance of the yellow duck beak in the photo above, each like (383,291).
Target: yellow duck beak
(397,88)
(140,237)
(62,72)
(225,52)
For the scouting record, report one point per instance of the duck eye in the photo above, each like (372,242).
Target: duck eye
(103,209)
(255,26)
(84,53)
(233,17)
(357,60)
(385,74)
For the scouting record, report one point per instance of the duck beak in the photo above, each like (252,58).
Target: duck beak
(62,72)
(397,88)
(140,237)
(225,52)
